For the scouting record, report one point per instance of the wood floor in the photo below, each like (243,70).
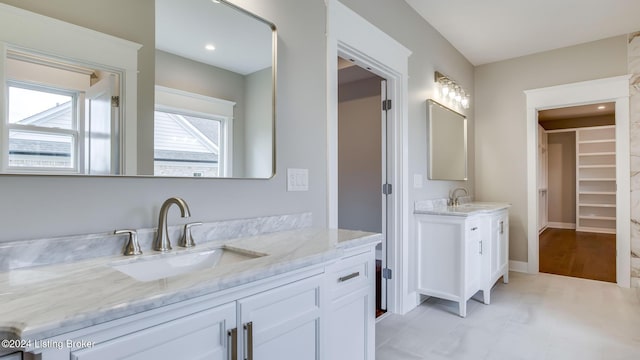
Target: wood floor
(578,254)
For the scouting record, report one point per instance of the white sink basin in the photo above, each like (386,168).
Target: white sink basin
(162,266)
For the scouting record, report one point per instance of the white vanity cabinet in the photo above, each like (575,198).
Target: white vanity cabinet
(351,306)
(201,335)
(460,255)
(449,257)
(323,312)
(496,252)
(280,322)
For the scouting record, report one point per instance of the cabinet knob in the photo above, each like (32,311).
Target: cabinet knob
(474,228)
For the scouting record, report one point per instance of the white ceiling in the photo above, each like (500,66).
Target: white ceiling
(486,31)
(183,27)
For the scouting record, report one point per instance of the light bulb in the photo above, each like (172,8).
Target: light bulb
(445,89)
(465,102)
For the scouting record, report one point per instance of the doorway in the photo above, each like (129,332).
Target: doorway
(577,191)
(616,90)
(362,159)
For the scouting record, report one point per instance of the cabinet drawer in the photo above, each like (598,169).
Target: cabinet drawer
(349,274)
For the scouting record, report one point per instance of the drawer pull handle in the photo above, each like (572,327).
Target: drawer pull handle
(248,328)
(474,228)
(348,277)
(233,343)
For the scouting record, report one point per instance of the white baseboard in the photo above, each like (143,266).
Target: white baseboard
(518,266)
(560,225)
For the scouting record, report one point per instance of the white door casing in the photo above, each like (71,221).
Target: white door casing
(614,89)
(352,37)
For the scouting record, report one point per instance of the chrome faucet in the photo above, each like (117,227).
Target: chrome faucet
(453,198)
(162,242)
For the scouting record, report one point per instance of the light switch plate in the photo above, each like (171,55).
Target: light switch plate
(297,179)
(417,181)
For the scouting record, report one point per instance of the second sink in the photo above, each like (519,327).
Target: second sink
(166,265)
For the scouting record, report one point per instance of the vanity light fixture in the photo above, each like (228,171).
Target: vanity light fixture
(450,91)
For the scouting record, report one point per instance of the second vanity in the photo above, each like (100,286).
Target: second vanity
(461,250)
(294,295)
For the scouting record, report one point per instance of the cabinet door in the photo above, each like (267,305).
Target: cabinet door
(496,250)
(503,234)
(202,335)
(473,256)
(349,331)
(351,317)
(283,323)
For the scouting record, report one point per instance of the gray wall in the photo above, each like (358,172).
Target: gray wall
(360,156)
(561,149)
(501,173)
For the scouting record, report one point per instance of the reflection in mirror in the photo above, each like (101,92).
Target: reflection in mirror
(214,91)
(69,95)
(60,117)
(447,143)
(65,93)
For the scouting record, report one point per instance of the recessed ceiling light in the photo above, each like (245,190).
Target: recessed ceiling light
(601,107)
(210,47)
(215,1)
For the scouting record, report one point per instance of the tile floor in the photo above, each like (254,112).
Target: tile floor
(537,317)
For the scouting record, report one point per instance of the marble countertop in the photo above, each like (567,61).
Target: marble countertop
(44,301)
(467,209)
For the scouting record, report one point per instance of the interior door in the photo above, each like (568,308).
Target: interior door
(101,155)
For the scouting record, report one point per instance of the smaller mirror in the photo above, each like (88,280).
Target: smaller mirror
(447,143)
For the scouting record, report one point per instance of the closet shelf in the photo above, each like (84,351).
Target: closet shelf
(597,205)
(596,192)
(593,217)
(597,141)
(597,153)
(596,166)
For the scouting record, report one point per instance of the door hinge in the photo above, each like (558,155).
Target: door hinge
(386,273)
(387,189)
(115,101)
(386,104)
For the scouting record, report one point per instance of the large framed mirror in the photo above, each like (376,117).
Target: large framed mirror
(214,98)
(447,143)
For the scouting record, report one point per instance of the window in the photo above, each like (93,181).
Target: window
(61,117)
(192,134)
(188,145)
(42,128)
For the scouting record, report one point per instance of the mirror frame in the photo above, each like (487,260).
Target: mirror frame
(431,105)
